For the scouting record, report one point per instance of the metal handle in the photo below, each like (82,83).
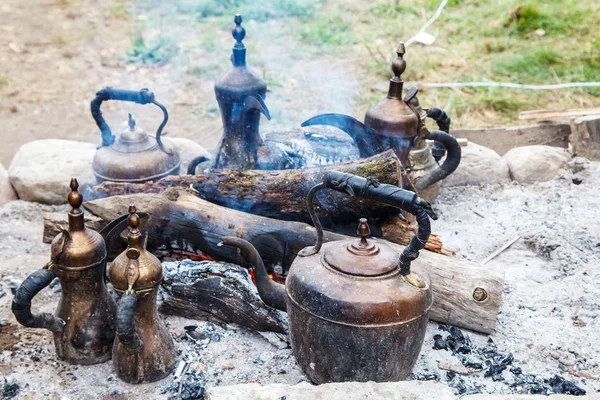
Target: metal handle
(143,96)
(369,188)
(21,304)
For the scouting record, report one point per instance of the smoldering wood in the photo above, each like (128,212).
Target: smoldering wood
(184,221)
(219,292)
(501,140)
(277,194)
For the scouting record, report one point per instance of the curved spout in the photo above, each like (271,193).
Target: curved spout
(252,101)
(364,140)
(126,331)
(271,292)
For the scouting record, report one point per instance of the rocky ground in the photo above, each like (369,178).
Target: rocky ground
(545,340)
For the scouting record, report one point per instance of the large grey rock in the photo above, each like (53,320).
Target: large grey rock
(188,150)
(7,193)
(407,390)
(41,170)
(479,165)
(529,164)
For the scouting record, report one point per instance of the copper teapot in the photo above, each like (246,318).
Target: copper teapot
(395,124)
(134,156)
(83,325)
(144,350)
(357,309)
(240,94)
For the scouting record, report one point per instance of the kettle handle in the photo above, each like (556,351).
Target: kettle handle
(21,304)
(143,96)
(369,188)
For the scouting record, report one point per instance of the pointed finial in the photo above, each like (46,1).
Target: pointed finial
(133,220)
(238,33)
(75,198)
(364,231)
(399,65)
(131,122)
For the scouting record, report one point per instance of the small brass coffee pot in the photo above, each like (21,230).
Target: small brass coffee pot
(134,156)
(83,325)
(357,308)
(144,350)
(395,124)
(240,94)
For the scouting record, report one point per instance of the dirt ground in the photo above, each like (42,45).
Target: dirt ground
(548,320)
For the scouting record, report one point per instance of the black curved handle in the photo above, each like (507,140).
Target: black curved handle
(368,188)
(143,96)
(452,161)
(441,118)
(21,304)
(125,324)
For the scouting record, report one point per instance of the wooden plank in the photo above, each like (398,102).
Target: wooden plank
(181,220)
(586,137)
(564,114)
(501,140)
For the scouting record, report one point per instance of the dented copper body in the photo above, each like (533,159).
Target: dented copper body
(144,350)
(133,156)
(240,94)
(357,309)
(83,325)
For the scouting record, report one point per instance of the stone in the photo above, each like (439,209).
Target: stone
(529,397)
(529,164)
(188,150)
(479,165)
(406,390)
(42,169)
(7,193)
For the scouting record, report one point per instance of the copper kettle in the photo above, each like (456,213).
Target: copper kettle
(357,309)
(240,94)
(134,156)
(393,124)
(83,325)
(144,350)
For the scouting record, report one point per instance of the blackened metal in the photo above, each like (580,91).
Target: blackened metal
(78,259)
(126,331)
(441,118)
(194,164)
(383,193)
(21,305)
(450,164)
(240,94)
(272,293)
(135,156)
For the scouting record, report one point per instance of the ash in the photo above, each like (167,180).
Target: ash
(546,338)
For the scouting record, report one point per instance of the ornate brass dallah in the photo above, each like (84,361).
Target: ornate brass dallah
(240,94)
(83,325)
(357,309)
(144,350)
(134,156)
(395,124)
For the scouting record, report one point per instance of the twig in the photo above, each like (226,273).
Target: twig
(500,250)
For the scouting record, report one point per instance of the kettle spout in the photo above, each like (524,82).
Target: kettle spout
(271,292)
(252,101)
(365,140)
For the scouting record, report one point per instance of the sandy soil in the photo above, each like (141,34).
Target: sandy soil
(548,319)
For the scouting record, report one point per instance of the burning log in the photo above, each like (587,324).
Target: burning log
(276,194)
(465,294)
(218,292)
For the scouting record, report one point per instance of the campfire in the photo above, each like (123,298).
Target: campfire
(300,257)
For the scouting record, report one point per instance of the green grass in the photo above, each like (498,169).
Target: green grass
(159,52)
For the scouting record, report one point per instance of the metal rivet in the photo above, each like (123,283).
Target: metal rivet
(479,294)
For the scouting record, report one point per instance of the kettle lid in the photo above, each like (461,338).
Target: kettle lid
(362,257)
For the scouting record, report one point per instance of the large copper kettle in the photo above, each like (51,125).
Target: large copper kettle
(134,156)
(357,309)
(395,124)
